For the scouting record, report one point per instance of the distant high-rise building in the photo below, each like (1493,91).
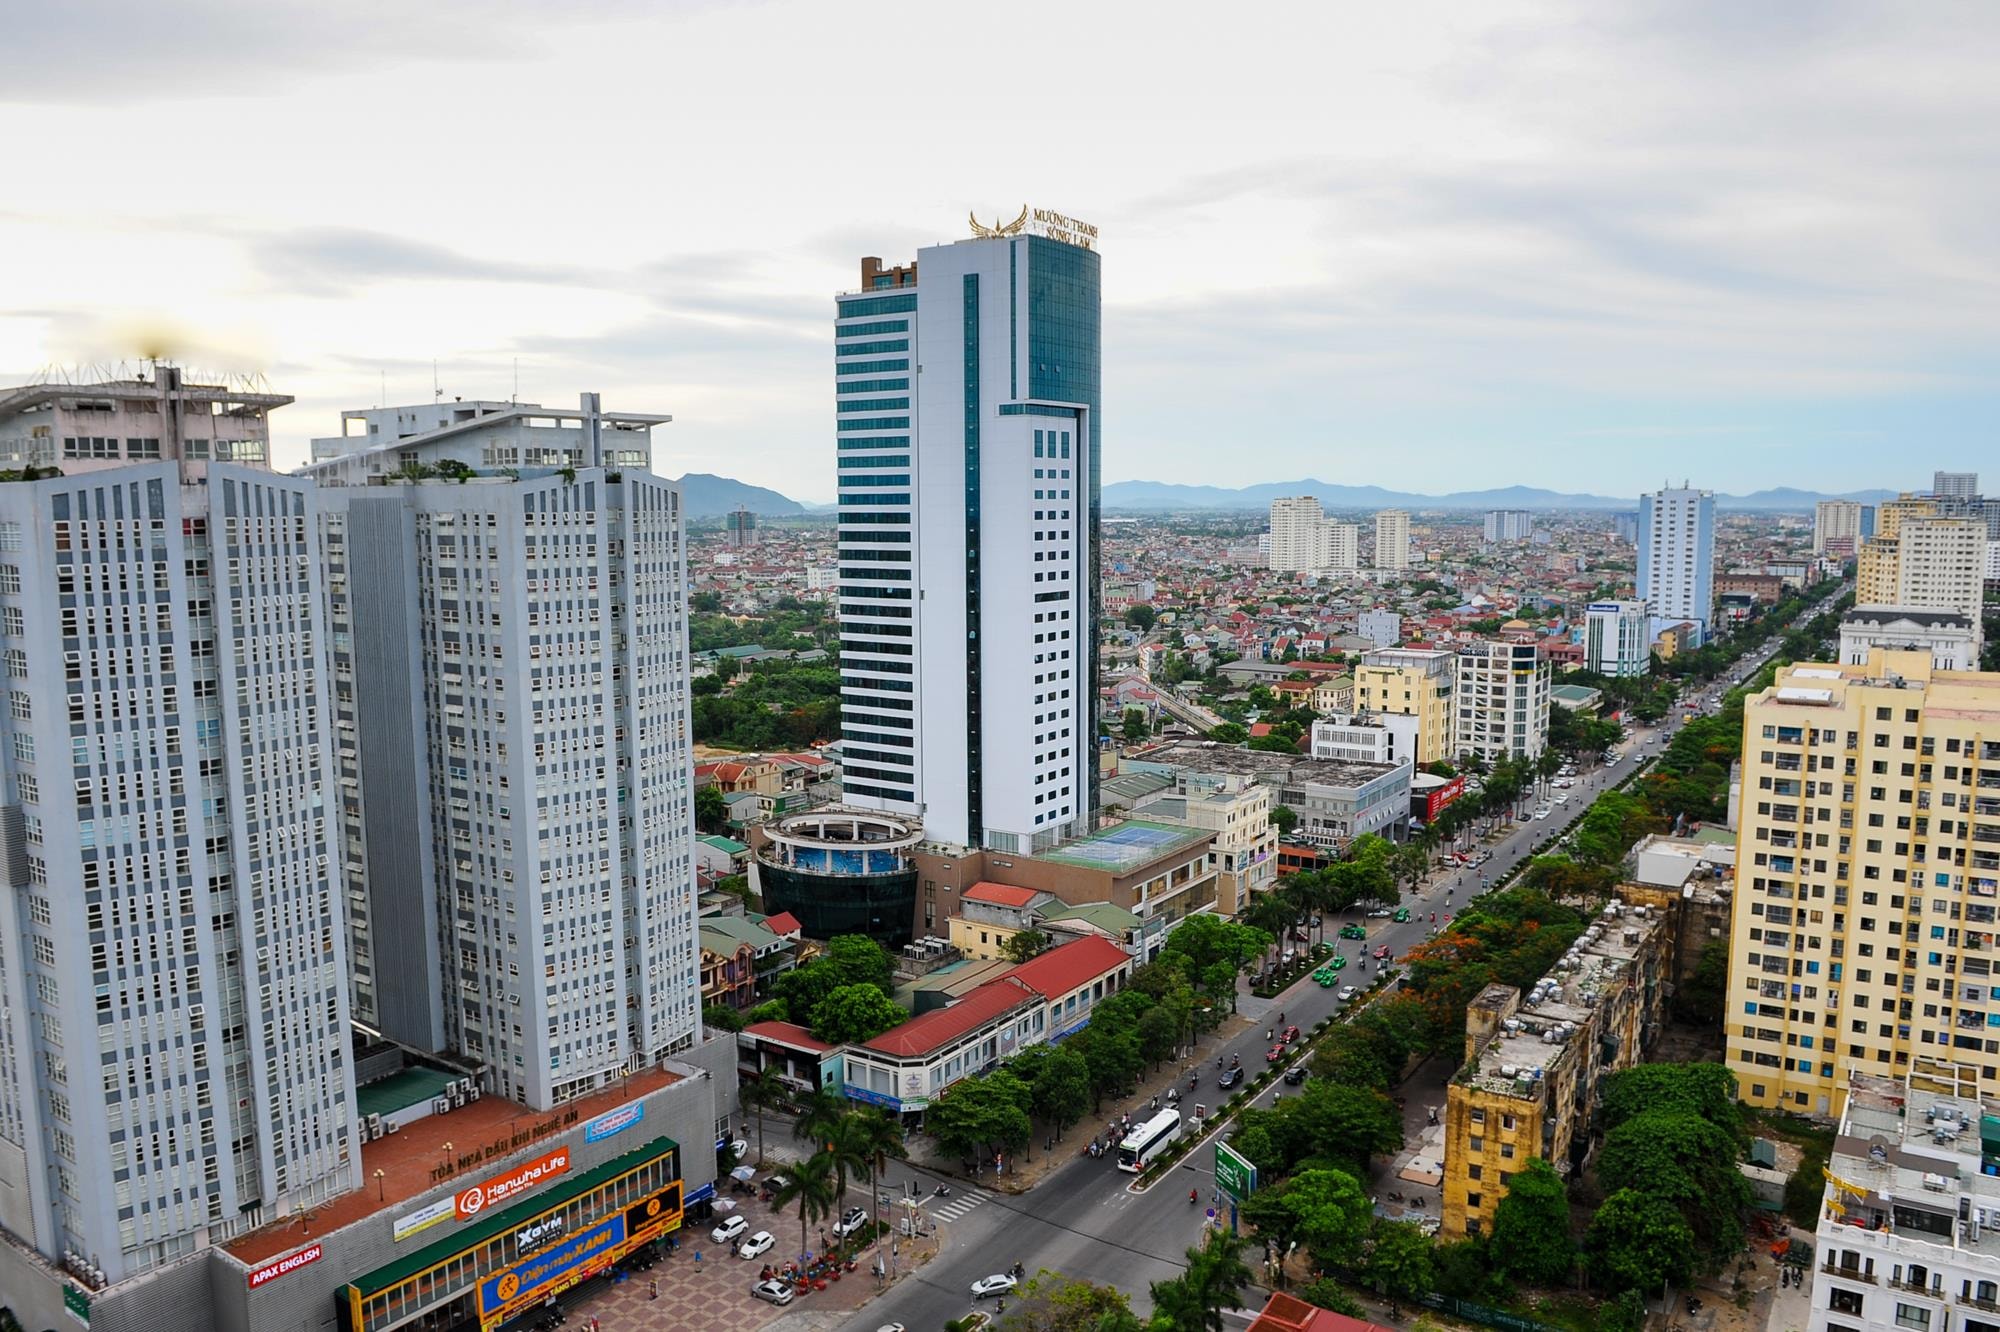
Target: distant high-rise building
(510,674)
(1343,546)
(1392,539)
(1625,526)
(1835,520)
(740,526)
(1922,559)
(1955,485)
(1509,525)
(976,484)
(1298,535)
(1839,919)
(1503,700)
(175,1062)
(1617,638)
(1677,558)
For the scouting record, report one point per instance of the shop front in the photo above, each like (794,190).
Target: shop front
(506,1259)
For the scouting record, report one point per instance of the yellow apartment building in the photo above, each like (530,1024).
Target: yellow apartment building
(1862,936)
(1534,1063)
(1412,682)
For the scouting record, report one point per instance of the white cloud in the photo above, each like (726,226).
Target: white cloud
(1340,234)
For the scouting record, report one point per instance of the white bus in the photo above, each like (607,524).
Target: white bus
(1148,1140)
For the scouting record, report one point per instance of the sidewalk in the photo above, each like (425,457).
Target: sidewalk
(1027,1169)
(715,1293)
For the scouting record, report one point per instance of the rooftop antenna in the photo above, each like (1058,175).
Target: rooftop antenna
(516,399)
(437,390)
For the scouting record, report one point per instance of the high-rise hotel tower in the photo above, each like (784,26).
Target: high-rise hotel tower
(969,433)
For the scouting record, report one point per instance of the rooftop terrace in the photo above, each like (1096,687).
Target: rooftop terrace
(464,1146)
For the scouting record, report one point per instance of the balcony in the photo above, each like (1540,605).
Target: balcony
(1847,1273)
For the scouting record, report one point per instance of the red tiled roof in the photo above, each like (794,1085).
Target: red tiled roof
(1288,1313)
(783,923)
(1061,970)
(999,894)
(788,1033)
(941,1026)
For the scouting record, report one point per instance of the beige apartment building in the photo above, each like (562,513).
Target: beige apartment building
(1868,877)
(1412,682)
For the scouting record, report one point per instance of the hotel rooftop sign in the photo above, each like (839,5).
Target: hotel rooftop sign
(1038,222)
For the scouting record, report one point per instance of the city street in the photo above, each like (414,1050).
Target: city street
(1083,1220)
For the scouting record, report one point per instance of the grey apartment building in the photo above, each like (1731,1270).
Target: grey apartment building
(174,1060)
(507,616)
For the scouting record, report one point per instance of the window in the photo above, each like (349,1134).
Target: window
(1911,1315)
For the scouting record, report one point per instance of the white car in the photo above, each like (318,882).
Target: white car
(1562,799)
(1347,992)
(850,1221)
(997,1284)
(1542,812)
(777,1292)
(756,1246)
(739,1148)
(727,1232)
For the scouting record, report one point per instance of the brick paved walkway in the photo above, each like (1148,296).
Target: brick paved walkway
(716,1295)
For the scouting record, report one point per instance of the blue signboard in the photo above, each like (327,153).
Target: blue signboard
(530,1275)
(873,1098)
(613,1122)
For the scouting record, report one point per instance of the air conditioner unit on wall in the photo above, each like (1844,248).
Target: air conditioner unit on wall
(440,1106)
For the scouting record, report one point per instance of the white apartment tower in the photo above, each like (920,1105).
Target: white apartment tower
(1503,700)
(1835,520)
(1392,539)
(174,1042)
(509,656)
(1342,545)
(1941,565)
(1677,558)
(968,536)
(1298,535)
(1955,485)
(1616,638)
(1504,525)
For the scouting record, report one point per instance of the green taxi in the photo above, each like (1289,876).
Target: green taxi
(1402,914)
(1354,930)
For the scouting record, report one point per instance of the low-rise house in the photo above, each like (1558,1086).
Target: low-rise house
(1051,995)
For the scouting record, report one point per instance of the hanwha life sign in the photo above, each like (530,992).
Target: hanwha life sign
(503,1188)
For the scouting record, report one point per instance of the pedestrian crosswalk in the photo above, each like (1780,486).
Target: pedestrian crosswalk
(957,1207)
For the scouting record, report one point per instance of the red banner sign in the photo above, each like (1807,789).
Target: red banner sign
(283,1266)
(504,1188)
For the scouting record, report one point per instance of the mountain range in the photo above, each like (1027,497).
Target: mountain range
(705,495)
(1159,496)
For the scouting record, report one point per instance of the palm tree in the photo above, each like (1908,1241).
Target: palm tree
(1214,1280)
(759,1095)
(877,1137)
(808,1186)
(818,1116)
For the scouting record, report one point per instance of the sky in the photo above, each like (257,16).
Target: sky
(1431,246)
